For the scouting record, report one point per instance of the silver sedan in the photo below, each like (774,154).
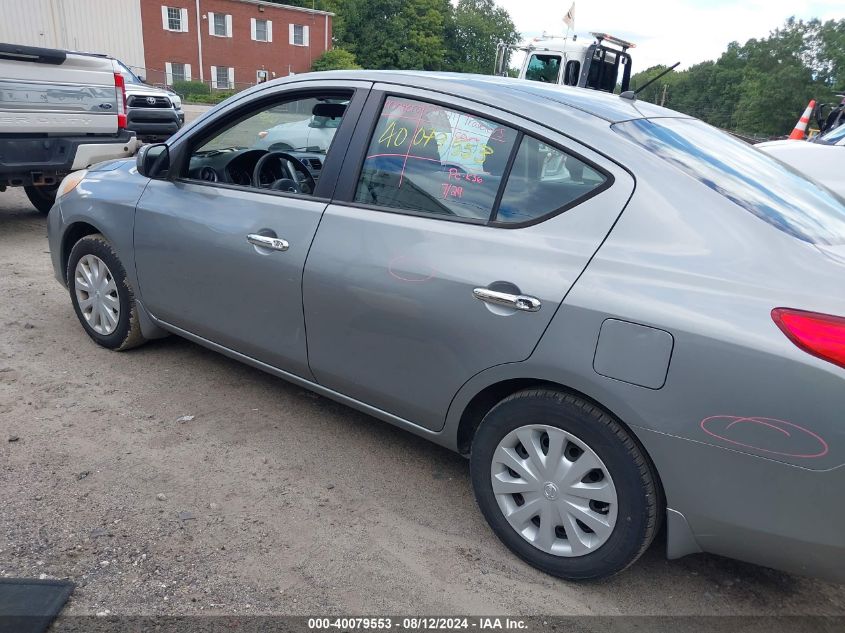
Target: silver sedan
(623,317)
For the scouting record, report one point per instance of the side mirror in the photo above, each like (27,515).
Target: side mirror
(153,161)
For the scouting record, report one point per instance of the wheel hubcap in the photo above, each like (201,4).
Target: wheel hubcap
(554,490)
(96,294)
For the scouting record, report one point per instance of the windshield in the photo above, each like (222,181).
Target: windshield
(744,175)
(833,136)
(545,68)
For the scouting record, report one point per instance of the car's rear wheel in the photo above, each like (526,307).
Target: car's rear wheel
(42,198)
(563,485)
(101,296)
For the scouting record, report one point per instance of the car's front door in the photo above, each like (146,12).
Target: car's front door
(219,248)
(459,233)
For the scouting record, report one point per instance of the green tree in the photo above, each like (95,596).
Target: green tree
(760,87)
(406,34)
(472,34)
(335,59)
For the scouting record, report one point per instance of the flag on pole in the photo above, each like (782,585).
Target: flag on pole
(569,18)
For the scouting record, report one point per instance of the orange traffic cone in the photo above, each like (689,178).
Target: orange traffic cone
(801,127)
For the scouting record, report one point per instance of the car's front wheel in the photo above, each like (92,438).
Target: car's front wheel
(563,485)
(101,296)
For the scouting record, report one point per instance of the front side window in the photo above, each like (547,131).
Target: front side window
(174,18)
(431,159)
(544,180)
(744,175)
(544,68)
(301,128)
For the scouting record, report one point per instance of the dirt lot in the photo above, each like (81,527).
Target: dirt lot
(270,499)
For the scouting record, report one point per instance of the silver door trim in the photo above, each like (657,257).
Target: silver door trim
(517,302)
(271,243)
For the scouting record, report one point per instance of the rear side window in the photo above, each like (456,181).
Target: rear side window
(744,175)
(431,159)
(545,180)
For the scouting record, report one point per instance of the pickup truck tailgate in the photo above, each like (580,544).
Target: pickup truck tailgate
(45,92)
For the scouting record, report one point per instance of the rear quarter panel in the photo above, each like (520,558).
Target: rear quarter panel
(747,433)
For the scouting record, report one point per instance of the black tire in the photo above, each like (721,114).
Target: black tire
(640,501)
(127,333)
(42,198)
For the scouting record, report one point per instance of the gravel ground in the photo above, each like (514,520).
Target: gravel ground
(269,499)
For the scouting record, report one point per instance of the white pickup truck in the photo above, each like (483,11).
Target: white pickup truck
(59,112)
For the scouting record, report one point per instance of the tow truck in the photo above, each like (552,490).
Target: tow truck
(556,59)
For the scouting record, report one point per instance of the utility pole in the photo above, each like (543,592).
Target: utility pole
(663,96)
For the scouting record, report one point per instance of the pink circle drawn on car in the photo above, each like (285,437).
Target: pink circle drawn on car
(718,426)
(406,275)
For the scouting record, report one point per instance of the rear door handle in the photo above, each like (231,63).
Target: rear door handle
(272,243)
(517,302)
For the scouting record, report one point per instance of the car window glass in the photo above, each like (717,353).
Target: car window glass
(302,129)
(746,176)
(543,180)
(545,68)
(428,158)
(834,136)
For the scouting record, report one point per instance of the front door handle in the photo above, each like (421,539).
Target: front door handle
(517,302)
(272,243)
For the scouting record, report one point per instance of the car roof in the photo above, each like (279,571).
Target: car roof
(513,94)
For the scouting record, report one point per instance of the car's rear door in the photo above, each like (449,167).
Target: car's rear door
(222,259)
(410,287)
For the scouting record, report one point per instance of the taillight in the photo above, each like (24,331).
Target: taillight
(120,93)
(821,335)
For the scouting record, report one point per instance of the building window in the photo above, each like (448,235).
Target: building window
(174,19)
(222,77)
(261,30)
(178,71)
(298,35)
(219,24)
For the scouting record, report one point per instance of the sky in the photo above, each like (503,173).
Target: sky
(689,31)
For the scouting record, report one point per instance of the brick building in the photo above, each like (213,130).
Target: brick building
(230,43)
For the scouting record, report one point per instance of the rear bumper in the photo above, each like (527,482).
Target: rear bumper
(45,161)
(153,122)
(754,509)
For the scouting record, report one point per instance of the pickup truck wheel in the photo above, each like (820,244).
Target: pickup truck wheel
(563,485)
(102,299)
(42,198)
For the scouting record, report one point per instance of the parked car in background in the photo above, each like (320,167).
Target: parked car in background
(59,112)
(622,316)
(314,132)
(821,158)
(154,114)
